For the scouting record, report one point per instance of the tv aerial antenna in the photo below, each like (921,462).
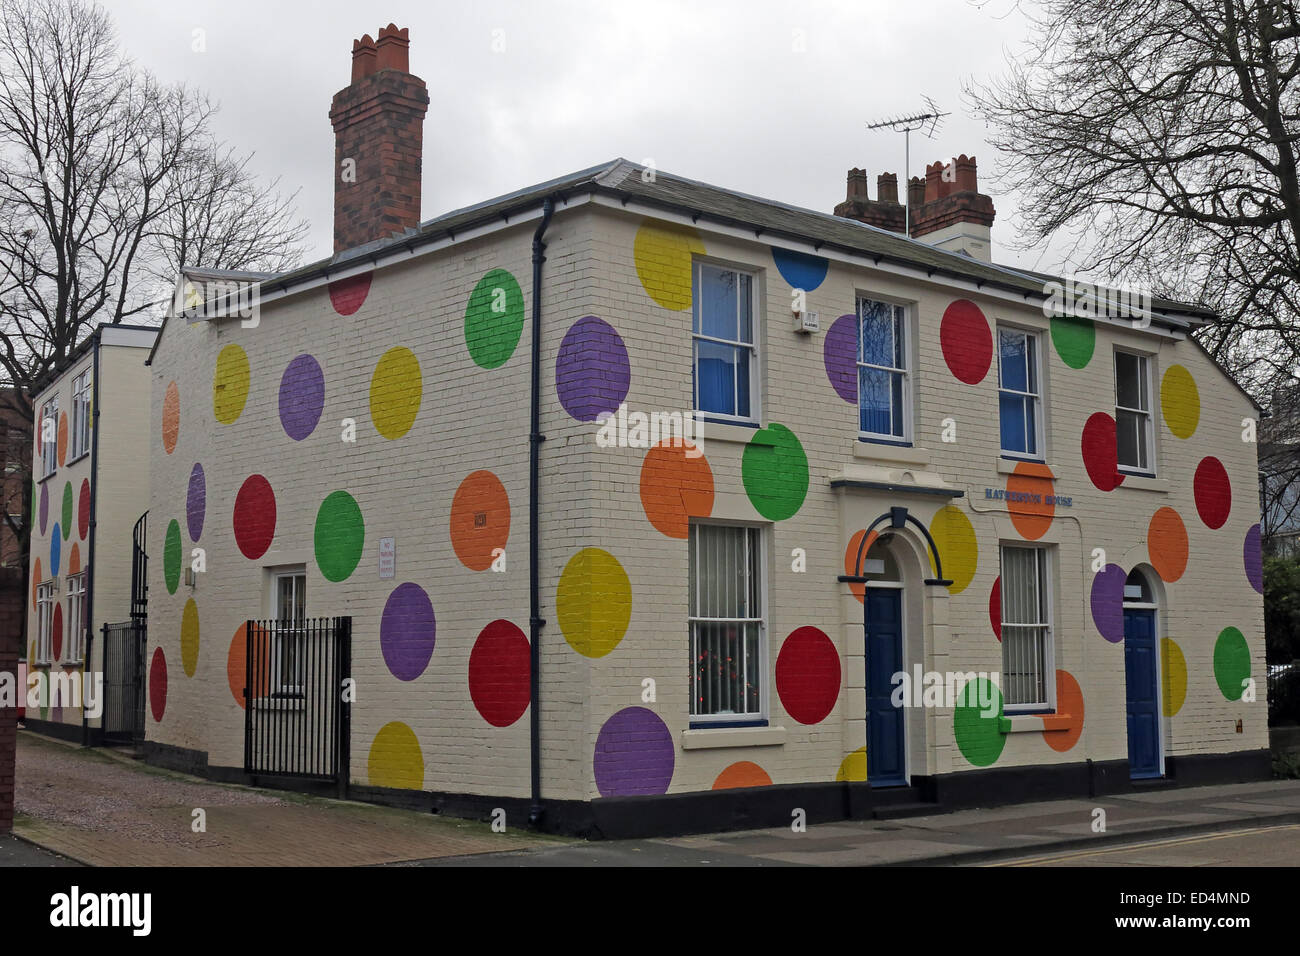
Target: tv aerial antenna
(928,121)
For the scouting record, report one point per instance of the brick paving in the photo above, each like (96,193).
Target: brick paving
(103,810)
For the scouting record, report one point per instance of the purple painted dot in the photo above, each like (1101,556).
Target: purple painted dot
(592,372)
(634,754)
(302,396)
(1108,602)
(45,506)
(196,502)
(840,354)
(407,631)
(1253,555)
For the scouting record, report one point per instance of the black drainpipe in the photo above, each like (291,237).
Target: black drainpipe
(535,439)
(87,669)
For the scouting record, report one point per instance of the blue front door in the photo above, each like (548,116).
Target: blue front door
(885,762)
(1142,693)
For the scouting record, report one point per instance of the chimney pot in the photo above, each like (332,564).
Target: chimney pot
(393,48)
(966,178)
(915,192)
(363,58)
(857,184)
(887,187)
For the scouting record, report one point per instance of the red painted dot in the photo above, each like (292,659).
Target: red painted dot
(254,517)
(347,295)
(808,675)
(499,672)
(1100,456)
(56,631)
(1213,492)
(83,509)
(158,684)
(995,607)
(967,341)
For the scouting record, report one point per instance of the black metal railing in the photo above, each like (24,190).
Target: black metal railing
(124,651)
(296,717)
(140,570)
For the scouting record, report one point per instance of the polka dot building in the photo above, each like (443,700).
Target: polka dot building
(935,533)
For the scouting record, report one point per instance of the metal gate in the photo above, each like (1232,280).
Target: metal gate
(296,717)
(124,650)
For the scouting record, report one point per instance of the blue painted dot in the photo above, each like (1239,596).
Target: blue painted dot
(799,269)
(56,549)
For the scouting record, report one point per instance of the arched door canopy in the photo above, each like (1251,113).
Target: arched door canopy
(897,518)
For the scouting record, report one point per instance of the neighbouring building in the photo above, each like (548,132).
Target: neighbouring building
(90,470)
(15,443)
(950,534)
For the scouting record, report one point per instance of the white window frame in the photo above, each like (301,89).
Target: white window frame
(79,440)
(1148,417)
(1035,368)
(1048,637)
(755,409)
(45,593)
(281,636)
(755,538)
(902,315)
(74,647)
(50,449)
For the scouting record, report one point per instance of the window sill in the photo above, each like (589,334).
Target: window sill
(1007,466)
(710,739)
(72,461)
(1145,483)
(44,478)
(882,451)
(1036,723)
(709,430)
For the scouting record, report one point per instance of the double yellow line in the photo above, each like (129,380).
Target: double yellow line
(1128,847)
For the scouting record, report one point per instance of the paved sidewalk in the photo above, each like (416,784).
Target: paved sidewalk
(104,810)
(964,837)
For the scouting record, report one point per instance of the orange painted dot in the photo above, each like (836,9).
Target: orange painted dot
(743,773)
(1167,544)
(63,438)
(1069,702)
(36,580)
(676,486)
(851,559)
(1029,499)
(171,420)
(237,662)
(480,520)
(74,560)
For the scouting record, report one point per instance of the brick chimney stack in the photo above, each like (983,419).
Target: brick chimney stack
(378,141)
(947,208)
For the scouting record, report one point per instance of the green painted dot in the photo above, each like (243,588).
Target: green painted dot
(976,722)
(340,536)
(774,469)
(494,319)
(1074,338)
(67,510)
(172,556)
(1231,662)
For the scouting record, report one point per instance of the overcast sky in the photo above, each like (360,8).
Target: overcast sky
(765,96)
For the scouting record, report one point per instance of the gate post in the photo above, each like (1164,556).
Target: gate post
(343,642)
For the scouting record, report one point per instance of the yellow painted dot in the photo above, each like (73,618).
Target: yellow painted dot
(593,602)
(958,550)
(853,767)
(230,384)
(190,638)
(1173,666)
(1180,402)
(664,258)
(395,392)
(395,758)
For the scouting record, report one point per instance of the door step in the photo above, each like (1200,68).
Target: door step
(899,810)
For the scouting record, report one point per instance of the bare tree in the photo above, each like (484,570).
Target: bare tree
(110,181)
(1162,135)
